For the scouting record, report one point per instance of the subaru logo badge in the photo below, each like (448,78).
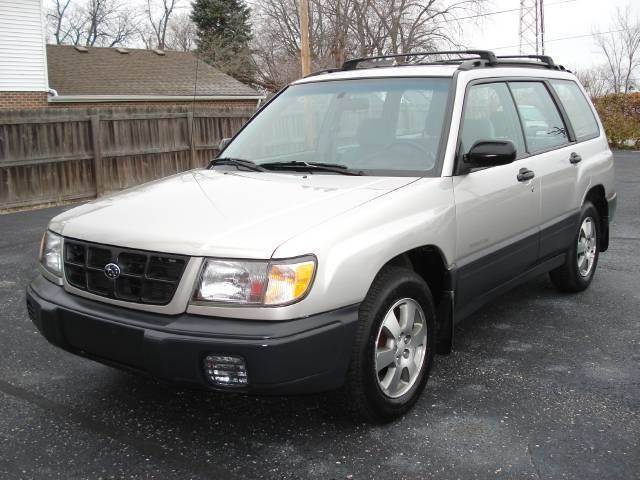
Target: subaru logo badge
(111,271)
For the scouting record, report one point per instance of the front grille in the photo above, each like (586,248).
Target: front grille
(145,277)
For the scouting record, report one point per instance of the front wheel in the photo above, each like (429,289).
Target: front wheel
(576,273)
(393,351)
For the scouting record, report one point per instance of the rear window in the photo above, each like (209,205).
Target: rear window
(577,107)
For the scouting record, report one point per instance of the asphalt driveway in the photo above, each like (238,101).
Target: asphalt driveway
(541,385)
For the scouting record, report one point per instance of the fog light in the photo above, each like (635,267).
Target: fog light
(226,370)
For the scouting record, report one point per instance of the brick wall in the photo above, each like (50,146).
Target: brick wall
(21,100)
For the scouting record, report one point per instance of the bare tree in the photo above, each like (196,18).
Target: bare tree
(181,34)
(159,24)
(621,48)
(342,28)
(56,16)
(595,80)
(92,22)
(67,22)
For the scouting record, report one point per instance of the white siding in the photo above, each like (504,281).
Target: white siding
(23,56)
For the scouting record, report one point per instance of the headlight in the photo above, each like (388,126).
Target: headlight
(289,282)
(51,253)
(251,282)
(232,281)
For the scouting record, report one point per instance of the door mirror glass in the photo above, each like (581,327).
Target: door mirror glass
(490,153)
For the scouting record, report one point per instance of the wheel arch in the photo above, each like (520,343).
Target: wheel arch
(430,263)
(597,196)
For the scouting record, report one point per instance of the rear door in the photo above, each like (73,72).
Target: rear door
(496,214)
(550,144)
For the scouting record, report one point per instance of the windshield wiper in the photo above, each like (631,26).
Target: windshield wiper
(323,167)
(238,162)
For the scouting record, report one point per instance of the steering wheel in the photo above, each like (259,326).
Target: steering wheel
(414,144)
(425,153)
(424,157)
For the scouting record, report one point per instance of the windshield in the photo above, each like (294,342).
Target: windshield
(371,124)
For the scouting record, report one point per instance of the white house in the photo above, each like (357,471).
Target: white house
(23,61)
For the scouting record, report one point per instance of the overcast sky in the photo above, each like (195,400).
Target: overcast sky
(563,18)
(499,32)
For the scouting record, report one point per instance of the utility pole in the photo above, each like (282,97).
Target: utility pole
(531,27)
(541,26)
(305,54)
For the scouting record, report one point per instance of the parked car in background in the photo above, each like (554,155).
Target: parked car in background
(533,119)
(342,233)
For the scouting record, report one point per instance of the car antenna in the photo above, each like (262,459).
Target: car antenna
(193,110)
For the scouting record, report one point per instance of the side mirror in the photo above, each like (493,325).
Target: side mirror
(490,153)
(223,144)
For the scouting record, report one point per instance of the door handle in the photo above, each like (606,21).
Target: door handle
(575,158)
(524,175)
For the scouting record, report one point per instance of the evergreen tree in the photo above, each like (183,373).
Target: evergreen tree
(223,36)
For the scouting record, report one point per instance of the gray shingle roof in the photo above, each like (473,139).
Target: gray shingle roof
(104,71)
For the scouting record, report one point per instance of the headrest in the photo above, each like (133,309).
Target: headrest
(372,132)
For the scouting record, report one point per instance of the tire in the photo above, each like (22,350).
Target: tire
(364,390)
(574,276)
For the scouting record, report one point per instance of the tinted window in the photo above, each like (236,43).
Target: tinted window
(577,108)
(489,114)
(542,123)
(387,124)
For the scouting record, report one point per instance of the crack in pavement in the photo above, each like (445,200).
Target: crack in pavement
(146,447)
(532,461)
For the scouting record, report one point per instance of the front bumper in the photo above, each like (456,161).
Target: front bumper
(306,355)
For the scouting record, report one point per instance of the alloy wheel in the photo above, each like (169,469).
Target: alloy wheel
(587,247)
(401,345)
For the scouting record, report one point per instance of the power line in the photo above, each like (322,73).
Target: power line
(505,11)
(566,38)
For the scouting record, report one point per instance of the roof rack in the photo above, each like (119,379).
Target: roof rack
(478,59)
(543,58)
(486,55)
(544,61)
(325,70)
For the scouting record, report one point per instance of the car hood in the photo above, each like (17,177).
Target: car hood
(216,213)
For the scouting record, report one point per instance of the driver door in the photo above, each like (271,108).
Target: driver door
(497,214)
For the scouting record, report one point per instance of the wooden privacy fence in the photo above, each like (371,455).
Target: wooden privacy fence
(56,155)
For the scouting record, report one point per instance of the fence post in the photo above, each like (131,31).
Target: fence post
(192,140)
(97,154)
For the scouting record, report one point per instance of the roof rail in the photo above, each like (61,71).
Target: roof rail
(478,59)
(545,61)
(486,55)
(320,72)
(543,58)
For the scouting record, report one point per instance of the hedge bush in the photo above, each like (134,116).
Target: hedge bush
(620,115)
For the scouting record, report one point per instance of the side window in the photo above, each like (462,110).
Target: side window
(542,123)
(577,108)
(489,114)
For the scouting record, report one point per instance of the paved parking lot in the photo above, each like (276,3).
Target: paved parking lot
(541,385)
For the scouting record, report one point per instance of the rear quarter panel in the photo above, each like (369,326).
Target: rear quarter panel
(599,167)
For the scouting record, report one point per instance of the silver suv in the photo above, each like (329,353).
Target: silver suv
(342,233)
